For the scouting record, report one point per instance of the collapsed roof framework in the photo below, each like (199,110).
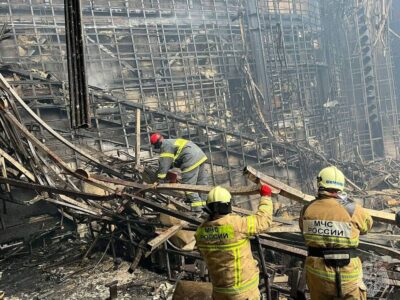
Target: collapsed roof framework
(182,63)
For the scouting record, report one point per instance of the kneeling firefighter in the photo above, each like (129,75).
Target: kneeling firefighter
(331,226)
(224,243)
(187,156)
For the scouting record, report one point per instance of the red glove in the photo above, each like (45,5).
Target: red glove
(265,190)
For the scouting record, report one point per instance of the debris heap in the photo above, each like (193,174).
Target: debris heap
(112,207)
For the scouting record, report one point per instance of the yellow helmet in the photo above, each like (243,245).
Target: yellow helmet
(331,178)
(219,194)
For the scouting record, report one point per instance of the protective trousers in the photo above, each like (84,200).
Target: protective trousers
(253,294)
(198,176)
(321,288)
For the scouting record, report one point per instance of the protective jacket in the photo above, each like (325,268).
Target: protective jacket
(225,246)
(179,153)
(331,223)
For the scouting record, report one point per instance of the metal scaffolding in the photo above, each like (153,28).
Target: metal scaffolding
(210,70)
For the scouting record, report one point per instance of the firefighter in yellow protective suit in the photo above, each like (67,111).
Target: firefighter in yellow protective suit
(224,243)
(331,226)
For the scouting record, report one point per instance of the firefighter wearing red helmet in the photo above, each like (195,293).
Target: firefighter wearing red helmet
(188,157)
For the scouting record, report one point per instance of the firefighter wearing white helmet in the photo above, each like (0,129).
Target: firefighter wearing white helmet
(331,226)
(224,243)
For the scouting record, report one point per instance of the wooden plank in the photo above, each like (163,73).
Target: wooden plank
(78,208)
(382,216)
(297,239)
(243,190)
(395,253)
(4,172)
(93,210)
(159,240)
(381,237)
(137,141)
(280,247)
(130,197)
(283,189)
(294,194)
(41,218)
(234,191)
(17,165)
(45,188)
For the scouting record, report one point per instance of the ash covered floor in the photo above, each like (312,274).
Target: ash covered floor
(58,273)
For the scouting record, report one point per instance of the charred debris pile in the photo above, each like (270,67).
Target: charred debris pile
(108,208)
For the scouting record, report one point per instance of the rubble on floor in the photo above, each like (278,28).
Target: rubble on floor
(130,223)
(56,272)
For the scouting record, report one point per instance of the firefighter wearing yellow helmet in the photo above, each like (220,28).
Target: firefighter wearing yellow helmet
(331,178)
(224,243)
(331,226)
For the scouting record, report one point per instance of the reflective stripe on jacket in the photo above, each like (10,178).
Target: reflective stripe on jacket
(225,246)
(326,223)
(179,153)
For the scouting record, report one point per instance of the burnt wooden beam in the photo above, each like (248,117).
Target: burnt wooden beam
(137,139)
(296,195)
(17,165)
(142,201)
(243,190)
(55,190)
(163,237)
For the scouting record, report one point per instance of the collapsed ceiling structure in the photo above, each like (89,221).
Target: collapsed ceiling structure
(284,86)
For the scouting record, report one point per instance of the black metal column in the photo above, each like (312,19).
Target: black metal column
(257,49)
(369,74)
(78,88)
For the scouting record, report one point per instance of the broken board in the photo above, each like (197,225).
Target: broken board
(296,195)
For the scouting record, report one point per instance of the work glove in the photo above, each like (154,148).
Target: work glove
(265,190)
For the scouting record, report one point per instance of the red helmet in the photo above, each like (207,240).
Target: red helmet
(155,138)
